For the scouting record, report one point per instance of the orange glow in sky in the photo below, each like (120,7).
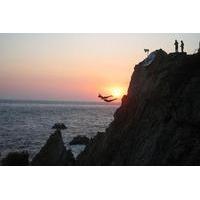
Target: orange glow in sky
(117,92)
(76,66)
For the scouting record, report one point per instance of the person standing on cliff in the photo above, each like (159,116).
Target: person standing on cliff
(182,46)
(176,46)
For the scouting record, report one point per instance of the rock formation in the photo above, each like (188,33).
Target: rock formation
(80,140)
(158,122)
(54,153)
(16,159)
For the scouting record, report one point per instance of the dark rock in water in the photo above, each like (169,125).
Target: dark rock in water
(54,153)
(80,140)
(158,122)
(16,159)
(59,126)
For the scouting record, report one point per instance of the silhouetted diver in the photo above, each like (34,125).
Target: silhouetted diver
(109,100)
(104,97)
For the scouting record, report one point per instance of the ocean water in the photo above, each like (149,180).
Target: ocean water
(26,125)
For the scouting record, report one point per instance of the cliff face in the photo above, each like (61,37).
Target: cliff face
(158,122)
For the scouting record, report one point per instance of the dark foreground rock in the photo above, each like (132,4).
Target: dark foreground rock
(16,159)
(158,122)
(54,153)
(80,140)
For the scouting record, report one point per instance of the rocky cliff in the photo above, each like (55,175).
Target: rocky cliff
(54,153)
(158,122)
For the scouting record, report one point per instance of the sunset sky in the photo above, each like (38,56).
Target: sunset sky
(76,66)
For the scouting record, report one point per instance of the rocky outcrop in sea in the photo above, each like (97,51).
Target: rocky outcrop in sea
(54,152)
(16,159)
(80,140)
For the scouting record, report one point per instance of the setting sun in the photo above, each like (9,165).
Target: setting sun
(117,92)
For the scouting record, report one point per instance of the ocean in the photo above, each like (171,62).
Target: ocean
(26,125)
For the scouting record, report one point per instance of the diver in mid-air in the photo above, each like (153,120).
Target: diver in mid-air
(106,98)
(109,100)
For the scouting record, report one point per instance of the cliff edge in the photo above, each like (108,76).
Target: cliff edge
(158,122)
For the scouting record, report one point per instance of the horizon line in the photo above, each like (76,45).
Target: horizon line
(54,100)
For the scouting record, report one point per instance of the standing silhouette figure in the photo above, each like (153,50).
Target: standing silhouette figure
(182,46)
(176,46)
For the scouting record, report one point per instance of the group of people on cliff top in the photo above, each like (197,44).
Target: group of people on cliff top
(176,46)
